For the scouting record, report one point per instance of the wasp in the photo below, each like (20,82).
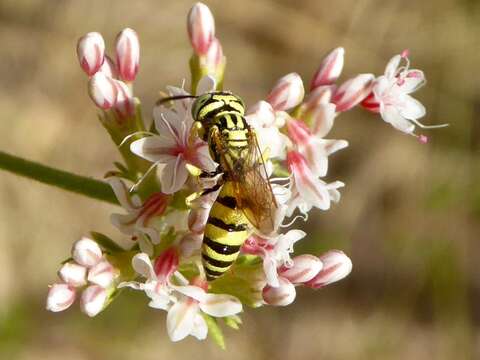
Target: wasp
(246,199)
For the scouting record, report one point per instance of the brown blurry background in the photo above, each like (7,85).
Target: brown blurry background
(409,215)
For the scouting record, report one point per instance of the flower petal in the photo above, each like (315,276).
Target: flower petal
(220,305)
(392,116)
(142,265)
(154,148)
(200,328)
(181,320)
(174,175)
(191,291)
(412,108)
(206,84)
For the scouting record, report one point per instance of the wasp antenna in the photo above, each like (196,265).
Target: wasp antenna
(177,97)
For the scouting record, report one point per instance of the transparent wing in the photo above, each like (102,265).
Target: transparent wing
(252,188)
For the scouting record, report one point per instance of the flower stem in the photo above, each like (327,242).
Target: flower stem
(83,185)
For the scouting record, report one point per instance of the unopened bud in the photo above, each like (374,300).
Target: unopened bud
(318,97)
(201,28)
(124,104)
(371,104)
(73,274)
(353,91)
(128,54)
(86,252)
(93,300)
(60,297)
(90,52)
(109,68)
(336,266)
(166,264)
(304,268)
(287,93)
(282,295)
(329,70)
(102,274)
(102,90)
(214,56)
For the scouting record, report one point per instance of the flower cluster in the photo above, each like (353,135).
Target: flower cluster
(169,182)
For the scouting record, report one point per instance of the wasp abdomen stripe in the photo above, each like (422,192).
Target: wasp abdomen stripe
(228,227)
(221,248)
(228,201)
(216,263)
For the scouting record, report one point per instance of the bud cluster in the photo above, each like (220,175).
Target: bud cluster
(88,273)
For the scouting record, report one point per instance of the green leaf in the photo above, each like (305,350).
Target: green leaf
(214,331)
(105,242)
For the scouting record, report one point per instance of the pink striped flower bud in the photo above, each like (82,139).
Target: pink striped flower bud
(318,97)
(128,54)
(304,268)
(86,252)
(102,274)
(60,297)
(329,70)
(90,52)
(109,68)
(201,28)
(124,104)
(336,266)
(214,55)
(166,264)
(93,300)
(73,274)
(371,103)
(353,91)
(282,295)
(261,115)
(287,93)
(102,91)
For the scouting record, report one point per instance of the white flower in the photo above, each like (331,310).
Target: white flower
(185,316)
(391,95)
(93,300)
(86,252)
(174,146)
(138,222)
(287,93)
(157,283)
(336,266)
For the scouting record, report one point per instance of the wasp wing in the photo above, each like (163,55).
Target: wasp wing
(253,190)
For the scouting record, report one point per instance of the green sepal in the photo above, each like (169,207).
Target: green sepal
(214,331)
(105,242)
(233,322)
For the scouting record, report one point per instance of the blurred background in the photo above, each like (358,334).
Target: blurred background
(409,215)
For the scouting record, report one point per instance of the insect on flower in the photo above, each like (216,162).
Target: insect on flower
(246,198)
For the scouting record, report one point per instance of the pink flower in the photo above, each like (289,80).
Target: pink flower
(329,70)
(352,92)
(124,103)
(102,90)
(174,146)
(138,221)
(314,149)
(287,93)
(282,295)
(127,49)
(90,52)
(336,266)
(302,268)
(201,28)
(307,190)
(93,300)
(60,297)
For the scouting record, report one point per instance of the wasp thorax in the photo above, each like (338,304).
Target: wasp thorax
(207,106)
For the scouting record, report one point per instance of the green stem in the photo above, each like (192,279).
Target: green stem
(83,185)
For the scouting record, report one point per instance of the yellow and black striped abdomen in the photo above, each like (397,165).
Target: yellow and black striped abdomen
(226,230)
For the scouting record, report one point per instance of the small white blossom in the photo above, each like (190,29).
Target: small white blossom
(174,146)
(60,297)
